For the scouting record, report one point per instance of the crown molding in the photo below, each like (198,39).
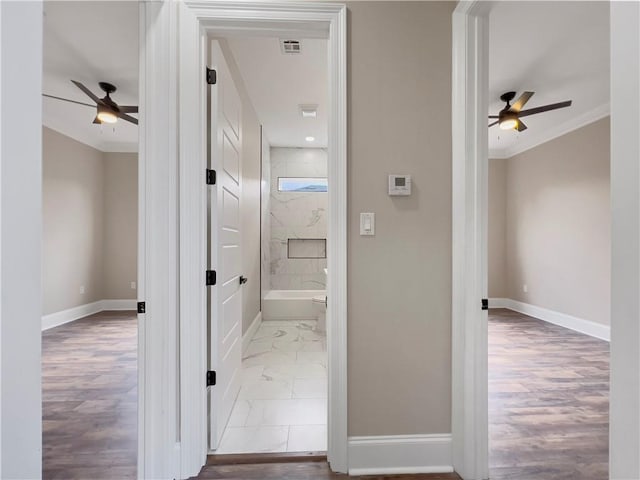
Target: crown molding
(104,147)
(118,147)
(537,138)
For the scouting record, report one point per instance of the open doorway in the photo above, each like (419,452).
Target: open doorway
(90,240)
(549,243)
(276,401)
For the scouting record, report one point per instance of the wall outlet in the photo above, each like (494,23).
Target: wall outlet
(81,289)
(525,288)
(133,285)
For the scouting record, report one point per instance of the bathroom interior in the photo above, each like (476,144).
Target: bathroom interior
(282,402)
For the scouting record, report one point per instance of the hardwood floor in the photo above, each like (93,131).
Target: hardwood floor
(548,401)
(548,404)
(300,471)
(89,398)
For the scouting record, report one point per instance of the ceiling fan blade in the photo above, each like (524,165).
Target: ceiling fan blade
(521,126)
(86,91)
(128,108)
(518,104)
(546,108)
(494,116)
(97,121)
(68,100)
(128,118)
(494,123)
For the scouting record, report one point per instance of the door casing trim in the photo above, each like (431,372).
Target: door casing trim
(173,95)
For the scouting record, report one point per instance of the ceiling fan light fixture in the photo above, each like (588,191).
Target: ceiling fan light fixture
(105,115)
(508,121)
(509,124)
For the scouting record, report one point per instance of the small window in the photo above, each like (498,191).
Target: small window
(299,184)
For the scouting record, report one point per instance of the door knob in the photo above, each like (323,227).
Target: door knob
(243,280)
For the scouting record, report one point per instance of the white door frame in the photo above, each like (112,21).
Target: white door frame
(158,282)
(470,164)
(469,409)
(173,415)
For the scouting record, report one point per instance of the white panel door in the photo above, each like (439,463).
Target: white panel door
(225,312)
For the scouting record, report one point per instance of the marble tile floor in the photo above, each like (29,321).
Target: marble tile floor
(282,404)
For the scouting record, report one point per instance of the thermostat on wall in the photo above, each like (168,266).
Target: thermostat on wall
(399,184)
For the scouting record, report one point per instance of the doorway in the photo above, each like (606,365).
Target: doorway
(549,245)
(89,240)
(268,323)
(314,20)
(470,170)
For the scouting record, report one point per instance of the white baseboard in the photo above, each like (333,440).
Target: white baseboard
(248,335)
(65,316)
(71,314)
(499,302)
(400,454)
(581,325)
(128,304)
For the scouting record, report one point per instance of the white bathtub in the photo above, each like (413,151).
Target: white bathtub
(289,304)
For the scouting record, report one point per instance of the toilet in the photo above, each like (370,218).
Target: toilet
(320,308)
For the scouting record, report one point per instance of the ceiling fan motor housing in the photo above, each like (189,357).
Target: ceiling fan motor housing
(507,97)
(107,87)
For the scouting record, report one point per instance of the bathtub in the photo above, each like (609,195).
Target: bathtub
(289,304)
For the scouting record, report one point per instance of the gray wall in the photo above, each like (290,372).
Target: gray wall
(89,223)
(73,222)
(297,215)
(497,257)
(120,255)
(557,226)
(265,258)
(399,281)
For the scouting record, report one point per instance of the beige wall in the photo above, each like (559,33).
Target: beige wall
(89,223)
(399,298)
(558,224)
(497,258)
(120,225)
(73,222)
(250,196)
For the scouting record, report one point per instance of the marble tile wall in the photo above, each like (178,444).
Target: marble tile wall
(296,215)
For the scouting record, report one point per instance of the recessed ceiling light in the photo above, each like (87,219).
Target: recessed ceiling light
(309,111)
(309,139)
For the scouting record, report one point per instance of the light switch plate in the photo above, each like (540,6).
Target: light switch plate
(367,224)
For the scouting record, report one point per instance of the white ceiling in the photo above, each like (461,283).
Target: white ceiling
(560,50)
(277,84)
(90,41)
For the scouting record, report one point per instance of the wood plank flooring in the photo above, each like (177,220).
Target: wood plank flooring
(89,398)
(300,471)
(548,401)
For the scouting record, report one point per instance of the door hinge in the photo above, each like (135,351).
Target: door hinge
(211,277)
(485,304)
(211,177)
(212,77)
(211,378)
(142,307)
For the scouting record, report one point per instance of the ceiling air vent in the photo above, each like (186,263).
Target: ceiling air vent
(290,47)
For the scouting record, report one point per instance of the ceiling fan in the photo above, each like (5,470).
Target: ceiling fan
(509,116)
(108,111)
